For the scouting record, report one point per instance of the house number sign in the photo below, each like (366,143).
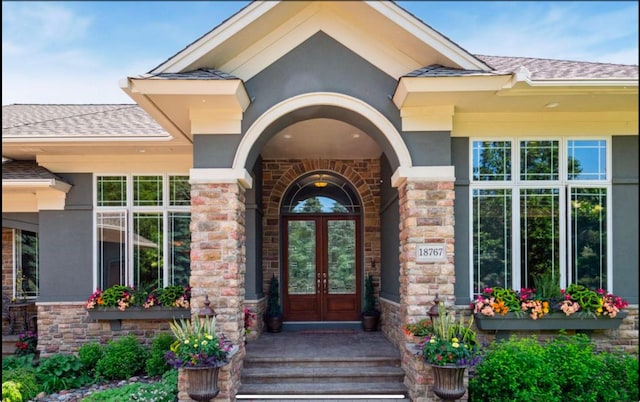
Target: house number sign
(432,252)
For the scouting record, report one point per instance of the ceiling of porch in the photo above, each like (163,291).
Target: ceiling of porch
(321,138)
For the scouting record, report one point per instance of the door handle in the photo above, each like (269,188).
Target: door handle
(324,282)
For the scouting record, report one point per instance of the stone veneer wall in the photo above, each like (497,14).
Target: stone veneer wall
(218,267)
(64,327)
(278,175)
(426,216)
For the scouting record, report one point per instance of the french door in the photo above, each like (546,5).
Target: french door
(321,268)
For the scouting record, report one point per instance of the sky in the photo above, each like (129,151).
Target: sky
(77,51)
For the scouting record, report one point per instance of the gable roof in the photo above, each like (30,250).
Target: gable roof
(549,69)
(130,120)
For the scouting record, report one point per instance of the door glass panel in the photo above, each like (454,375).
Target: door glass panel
(302,257)
(342,256)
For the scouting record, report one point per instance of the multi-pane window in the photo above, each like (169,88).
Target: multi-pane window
(540,208)
(142,230)
(26,264)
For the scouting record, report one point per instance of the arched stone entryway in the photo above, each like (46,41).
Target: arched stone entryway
(424,214)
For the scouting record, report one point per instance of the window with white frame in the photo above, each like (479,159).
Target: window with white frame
(142,230)
(26,265)
(540,207)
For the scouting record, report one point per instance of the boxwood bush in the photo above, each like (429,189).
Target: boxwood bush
(123,358)
(565,369)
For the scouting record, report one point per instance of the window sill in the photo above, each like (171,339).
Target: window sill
(116,316)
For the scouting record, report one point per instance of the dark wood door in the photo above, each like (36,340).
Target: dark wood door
(321,276)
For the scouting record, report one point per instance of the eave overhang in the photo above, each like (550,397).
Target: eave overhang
(33,195)
(185,107)
(428,103)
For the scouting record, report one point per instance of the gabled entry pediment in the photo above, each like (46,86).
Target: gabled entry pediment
(201,89)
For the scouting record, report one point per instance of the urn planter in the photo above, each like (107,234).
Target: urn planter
(449,382)
(551,322)
(203,382)
(115,316)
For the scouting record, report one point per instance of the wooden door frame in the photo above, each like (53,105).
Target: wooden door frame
(323,314)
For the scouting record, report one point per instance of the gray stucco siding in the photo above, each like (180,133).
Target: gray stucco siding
(389,240)
(66,245)
(462,248)
(429,148)
(66,263)
(625,217)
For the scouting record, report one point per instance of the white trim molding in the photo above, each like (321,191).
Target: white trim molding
(428,173)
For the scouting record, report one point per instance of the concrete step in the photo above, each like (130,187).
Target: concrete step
(322,398)
(264,375)
(301,362)
(326,389)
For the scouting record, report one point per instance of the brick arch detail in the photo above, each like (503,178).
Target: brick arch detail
(291,175)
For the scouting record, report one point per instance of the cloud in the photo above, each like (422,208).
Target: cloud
(555,31)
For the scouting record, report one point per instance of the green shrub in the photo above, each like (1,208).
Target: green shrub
(61,371)
(621,383)
(11,362)
(156,363)
(123,358)
(165,390)
(11,392)
(564,369)
(90,354)
(26,377)
(513,370)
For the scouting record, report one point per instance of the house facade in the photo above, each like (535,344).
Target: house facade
(322,142)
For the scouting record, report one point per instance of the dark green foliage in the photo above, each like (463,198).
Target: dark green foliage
(369,298)
(562,370)
(622,373)
(156,363)
(114,294)
(274,309)
(11,362)
(26,377)
(123,358)
(90,354)
(60,372)
(169,295)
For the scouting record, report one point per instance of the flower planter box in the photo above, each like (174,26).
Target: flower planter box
(552,322)
(116,316)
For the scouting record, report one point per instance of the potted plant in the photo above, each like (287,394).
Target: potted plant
(449,350)
(273,316)
(200,351)
(370,314)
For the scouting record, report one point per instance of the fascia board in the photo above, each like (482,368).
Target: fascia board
(214,38)
(409,85)
(428,35)
(26,185)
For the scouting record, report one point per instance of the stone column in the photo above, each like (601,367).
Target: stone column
(426,216)
(218,269)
